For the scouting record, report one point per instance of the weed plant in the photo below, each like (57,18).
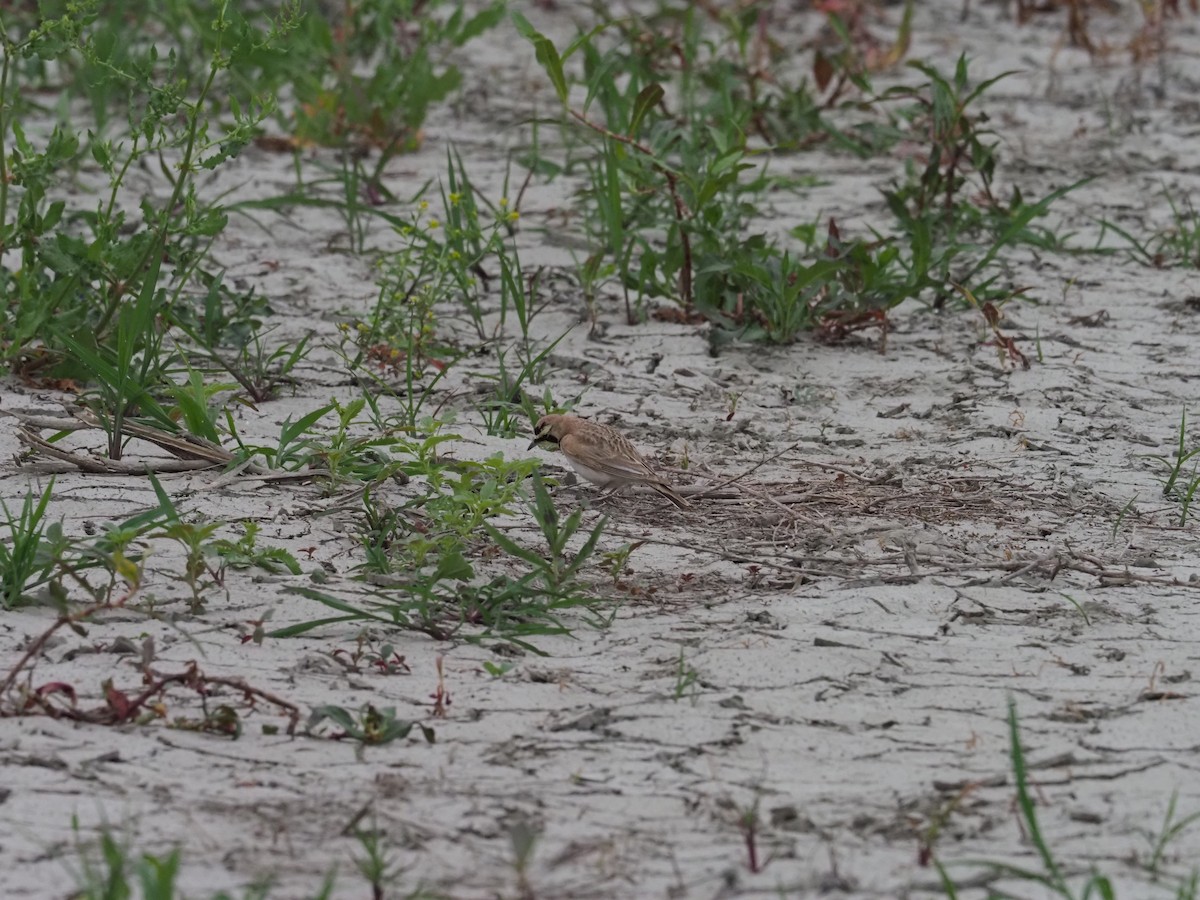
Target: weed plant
(1180,242)
(207,557)
(343,103)
(370,726)
(443,263)
(110,869)
(381,65)
(27,557)
(510,409)
(421,553)
(947,212)
(558,569)
(36,554)
(459,262)
(675,185)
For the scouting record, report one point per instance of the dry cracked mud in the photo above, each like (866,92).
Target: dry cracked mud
(826,644)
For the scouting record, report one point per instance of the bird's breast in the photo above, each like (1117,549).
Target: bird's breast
(603,479)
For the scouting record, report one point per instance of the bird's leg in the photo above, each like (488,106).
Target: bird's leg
(612,491)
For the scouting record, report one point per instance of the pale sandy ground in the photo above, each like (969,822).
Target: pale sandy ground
(847,688)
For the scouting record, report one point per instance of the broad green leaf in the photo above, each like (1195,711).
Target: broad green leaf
(648,98)
(546,53)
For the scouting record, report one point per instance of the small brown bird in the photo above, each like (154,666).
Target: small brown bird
(601,454)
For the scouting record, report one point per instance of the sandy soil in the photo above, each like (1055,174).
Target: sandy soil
(955,531)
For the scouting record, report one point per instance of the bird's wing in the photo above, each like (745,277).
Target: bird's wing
(612,464)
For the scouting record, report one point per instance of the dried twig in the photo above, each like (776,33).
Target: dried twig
(102,466)
(192,452)
(72,619)
(748,472)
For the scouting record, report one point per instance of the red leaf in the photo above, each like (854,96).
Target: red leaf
(118,702)
(57,687)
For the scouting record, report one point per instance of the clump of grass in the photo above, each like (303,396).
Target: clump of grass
(27,557)
(95,289)
(1180,484)
(109,868)
(168,108)
(104,297)
(36,554)
(1181,242)
(1175,245)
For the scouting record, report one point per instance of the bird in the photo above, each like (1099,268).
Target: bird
(601,454)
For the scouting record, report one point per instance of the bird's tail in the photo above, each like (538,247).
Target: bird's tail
(668,492)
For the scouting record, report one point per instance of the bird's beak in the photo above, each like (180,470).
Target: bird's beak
(533,444)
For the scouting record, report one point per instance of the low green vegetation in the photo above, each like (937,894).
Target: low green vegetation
(1181,472)
(669,128)
(109,868)
(1049,875)
(677,155)
(671,125)
(1176,244)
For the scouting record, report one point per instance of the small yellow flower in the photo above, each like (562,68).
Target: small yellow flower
(454,199)
(504,203)
(424,205)
(513,216)
(434,223)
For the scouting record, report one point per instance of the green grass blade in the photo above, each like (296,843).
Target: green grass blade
(1054,877)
